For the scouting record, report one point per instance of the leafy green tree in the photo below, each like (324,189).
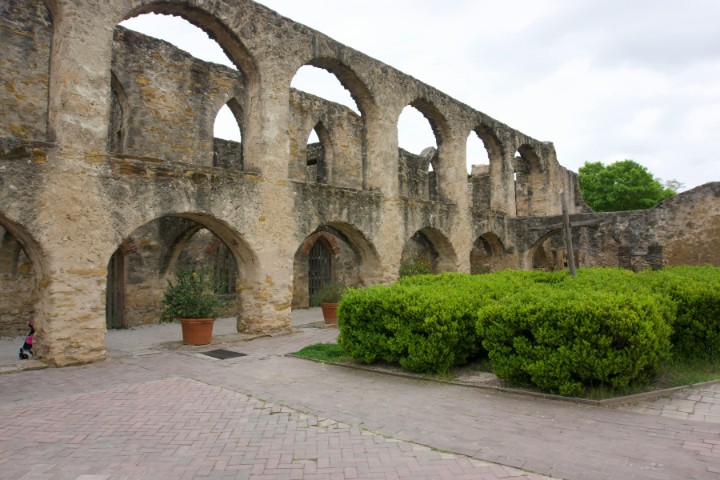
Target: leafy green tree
(623,185)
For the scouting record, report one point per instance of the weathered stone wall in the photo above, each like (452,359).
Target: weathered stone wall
(340,132)
(114,155)
(680,231)
(26,32)
(227,154)
(168,93)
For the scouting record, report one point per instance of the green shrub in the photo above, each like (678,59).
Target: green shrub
(191,295)
(695,293)
(423,329)
(564,339)
(426,323)
(415,266)
(331,292)
(605,327)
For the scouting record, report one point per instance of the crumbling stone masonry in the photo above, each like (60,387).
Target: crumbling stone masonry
(110,177)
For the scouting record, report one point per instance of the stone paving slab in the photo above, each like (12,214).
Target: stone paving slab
(701,403)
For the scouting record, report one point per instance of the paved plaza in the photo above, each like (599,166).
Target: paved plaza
(159,410)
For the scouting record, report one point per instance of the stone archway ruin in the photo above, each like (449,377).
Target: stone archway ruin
(119,135)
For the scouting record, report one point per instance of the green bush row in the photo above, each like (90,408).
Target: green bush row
(694,293)
(561,333)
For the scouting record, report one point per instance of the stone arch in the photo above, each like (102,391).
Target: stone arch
(319,156)
(210,22)
(22,271)
(349,79)
(352,170)
(330,240)
(438,122)
(242,85)
(432,246)
(423,176)
(355,261)
(491,142)
(546,253)
(487,180)
(229,153)
(150,253)
(531,182)
(26,28)
(487,254)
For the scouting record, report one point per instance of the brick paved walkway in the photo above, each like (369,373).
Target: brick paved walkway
(160,410)
(181,428)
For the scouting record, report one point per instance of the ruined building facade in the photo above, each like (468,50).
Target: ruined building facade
(110,176)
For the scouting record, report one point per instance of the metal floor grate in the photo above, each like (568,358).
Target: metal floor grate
(223,354)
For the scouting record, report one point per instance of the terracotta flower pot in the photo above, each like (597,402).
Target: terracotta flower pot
(329,311)
(197,331)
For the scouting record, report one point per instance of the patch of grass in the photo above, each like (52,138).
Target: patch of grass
(324,352)
(674,372)
(684,371)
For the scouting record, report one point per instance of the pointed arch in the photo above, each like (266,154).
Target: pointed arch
(228,149)
(22,271)
(351,258)
(319,155)
(531,183)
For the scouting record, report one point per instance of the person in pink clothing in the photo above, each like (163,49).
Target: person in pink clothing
(26,350)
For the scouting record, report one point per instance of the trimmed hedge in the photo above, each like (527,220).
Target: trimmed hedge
(695,294)
(564,340)
(426,323)
(424,329)
(604,327)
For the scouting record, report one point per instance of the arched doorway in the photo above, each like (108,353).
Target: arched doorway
(138,270)
(18,285)
(428,248)
(487,254)
(335,252)
(319,266)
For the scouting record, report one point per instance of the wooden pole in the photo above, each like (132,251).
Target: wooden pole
(568,234)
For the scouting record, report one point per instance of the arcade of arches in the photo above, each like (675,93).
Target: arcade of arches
(111,178)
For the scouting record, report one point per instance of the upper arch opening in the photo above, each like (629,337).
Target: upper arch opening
(195,31)
(325,84)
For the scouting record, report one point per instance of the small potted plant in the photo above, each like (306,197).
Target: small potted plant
(192,300)
(328,297)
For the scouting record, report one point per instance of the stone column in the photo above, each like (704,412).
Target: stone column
(71,219)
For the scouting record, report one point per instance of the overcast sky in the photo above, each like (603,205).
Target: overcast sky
(604,80)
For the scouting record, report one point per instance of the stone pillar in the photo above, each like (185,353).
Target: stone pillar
(72,220)
(381,162)
(502,196)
